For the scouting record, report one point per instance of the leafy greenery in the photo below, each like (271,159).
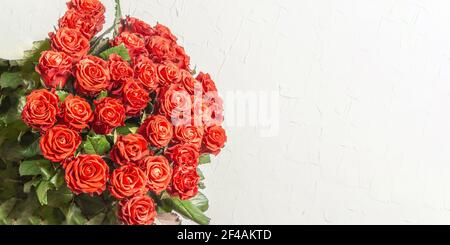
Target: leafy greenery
(192,209)
(97,144)
(204,159)
(120,50)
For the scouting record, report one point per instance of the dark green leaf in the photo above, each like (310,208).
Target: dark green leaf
(31,150)
(74,216)
(201,185)
(120,50)
(97,144)
(41,192)
(32,183)
(6,208)
(188,210)
(58,179)
(200,201)
(204,159)
(36,167)
(97,220)
(60,198)
(11,80)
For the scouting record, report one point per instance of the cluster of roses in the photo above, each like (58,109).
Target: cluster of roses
(159,71)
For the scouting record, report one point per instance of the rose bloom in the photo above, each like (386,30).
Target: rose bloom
(109,114)
(128,181)
(158,171)
(135,98)
(134,42)
(184,154)
(40,110)
(73,19)
(160,48)
(76,113)
(59,143)
(129,149)
(207,83)
(165,32)
(189,134)
(87,174)
(184,183)
(138,26)
(139,210)
(71,42)
(212,109)
(92,76)
(93,8)
(168,74)
(175,102)
(190,83)
(157,130)
(214,140)
(119,71)
(145,72)
(54,68)
(181,59)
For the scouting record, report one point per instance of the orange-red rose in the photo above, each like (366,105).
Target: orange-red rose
(190,83)
(70,41)
(160,48)
(134,97)
(54,68)
(87,25)
(128,181)
(146,74)
(175,102)
(87,174)
(92,76)
(59,143)
(189,134)
(165,32)
(168,74)
(119,71)
(214,140)
(41,110)
(184,182)
(129,149)
(158,171)
(138,26)
(157,130)
(109,114)
(76,112)
(134,42)
(92,8)
(184,154)
(208,84)
(138,210)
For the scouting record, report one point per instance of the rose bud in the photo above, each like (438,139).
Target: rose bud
(128,181)
(158,172)
(109,114)
(214,140)
(184,154)
(76,113)
(54,68)
(139,210)
(59,143)
(41,110)
(92,76)
(135,98)
(87,174)
(71,42)
(129,149)
(157,130)
(184,182)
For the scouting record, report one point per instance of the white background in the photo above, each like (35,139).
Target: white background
(364,92)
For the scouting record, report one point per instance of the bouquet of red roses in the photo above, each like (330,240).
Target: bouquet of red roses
(96,130)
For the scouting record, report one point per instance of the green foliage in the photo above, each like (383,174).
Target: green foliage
(120,50)
(97,144)
(204,159)
(189,209)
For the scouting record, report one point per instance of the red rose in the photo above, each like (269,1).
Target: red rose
(134,42)
(93,8)
(129,149)
(73,19)
(158,171)
(54,68)
(76,113)
(138,210)
(214,140)
(184,182)
(138,26)
(135,98)
(175,102)
(165,32)
(120,71)
(190,83)
(212,109)
(160,48)
(41,110)
(189,134)
(92,76)
(59,143)
(109,114)
(145,72)
(157,130)
(87,174)
(184,154)
(207,83)
(128,181)
(181,59)
(71,42)
(168,74)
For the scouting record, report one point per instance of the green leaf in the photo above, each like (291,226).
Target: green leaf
(31,150)
(102,95)
(97,144)
(62,95)
(58,179)
(97,220)
(7,207)
(36,167)
(200,201)
(117,18)
(200,173)
(11,80)
(32,183)
(188,210)
(60,198)
(41,192)
(204,159)
(120,50)
(74,216)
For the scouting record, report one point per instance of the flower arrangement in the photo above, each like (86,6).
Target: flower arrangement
(97,130)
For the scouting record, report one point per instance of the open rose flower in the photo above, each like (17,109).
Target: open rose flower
(160,48)
(74,19)
(181,59)
(76,112)
(165,32)
(138,26)
(129,149)
(175,103)
(59,143)
(138,210)
(120,71)
(92,76)
(70,41)
(92,8)
(109,114)
(41,110)
(190,83)
(207,83)
(157,130)
(158,171)
(134,42)
(184,183)
(184,154)
(145,72)
(214,140)
(135,98)
(168,74)
(87,174)
(54,68)
(189,134)
(128,181)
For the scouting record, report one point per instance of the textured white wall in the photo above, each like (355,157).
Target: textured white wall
(364,92)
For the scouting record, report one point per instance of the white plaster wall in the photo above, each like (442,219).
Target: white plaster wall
(364,93)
